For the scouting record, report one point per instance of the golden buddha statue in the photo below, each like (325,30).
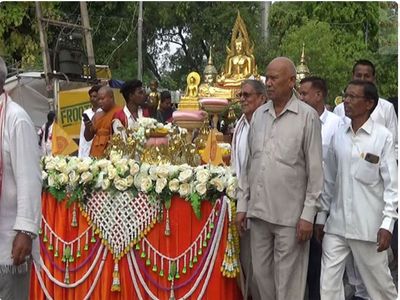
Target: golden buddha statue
(154,98)
(240,63)
(190,100)
(208,88)
(302,70)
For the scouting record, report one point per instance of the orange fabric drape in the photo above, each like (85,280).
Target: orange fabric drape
(185,227)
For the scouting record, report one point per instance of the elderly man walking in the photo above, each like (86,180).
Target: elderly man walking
(252,95)
(280,187)
(20,196)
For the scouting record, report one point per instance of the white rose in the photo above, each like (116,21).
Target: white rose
(160,185)
(134,169)
(84,166)
(105,184)
(144,168)
(202,175)
(120,184)
(172,170)
(174,185)
(103,163)
(184,190)
(218,184)
(86,177)
(73,177)
(115,156)
(153,172)
(145,184)
(112,172)
(61,165)
(137,180)
(185,175)
(72,164)
(44,175)
(50,165)
(62,178)
(51,180)
(201,189)
(162,171)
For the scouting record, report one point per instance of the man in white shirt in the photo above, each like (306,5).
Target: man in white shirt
(20,196)
(84,145)
(313,91)
(134,96)
(360,197)
(252,95)
(384,112)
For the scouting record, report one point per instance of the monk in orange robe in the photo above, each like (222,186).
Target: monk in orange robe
(100,127)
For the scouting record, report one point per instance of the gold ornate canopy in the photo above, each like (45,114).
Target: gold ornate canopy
(240,63)
(239,32)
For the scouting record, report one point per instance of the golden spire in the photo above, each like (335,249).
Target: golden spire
(210,69)
(302,69)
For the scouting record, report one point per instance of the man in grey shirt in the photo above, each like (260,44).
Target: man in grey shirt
(280,187)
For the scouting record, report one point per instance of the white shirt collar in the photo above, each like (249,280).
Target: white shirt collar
(324,116)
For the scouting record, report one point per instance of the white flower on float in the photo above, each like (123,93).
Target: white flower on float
(120,184)
(112,172)
(218,183)
(173,185)
(184,190)
(86,177)
(73,177)
(160,185)
(185,175)
(134,169)
(145,184)
(105,184)
(201,188)
(202,175)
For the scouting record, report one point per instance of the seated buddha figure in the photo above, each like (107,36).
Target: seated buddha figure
(239,65)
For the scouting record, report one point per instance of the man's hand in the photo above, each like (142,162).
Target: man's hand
(319,232)
(241,222)
(384,238)
(304,230)
(21,248)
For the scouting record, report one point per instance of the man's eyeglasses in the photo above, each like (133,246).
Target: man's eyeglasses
(351,97)
(246,95)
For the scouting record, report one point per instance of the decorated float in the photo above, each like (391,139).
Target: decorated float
(153,219)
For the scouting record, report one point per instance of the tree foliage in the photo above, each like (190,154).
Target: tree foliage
(177,36)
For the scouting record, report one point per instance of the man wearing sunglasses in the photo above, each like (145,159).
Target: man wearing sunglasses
(252,95)
(280,186)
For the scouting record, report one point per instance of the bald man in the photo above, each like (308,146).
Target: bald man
(280,187)
(100,130)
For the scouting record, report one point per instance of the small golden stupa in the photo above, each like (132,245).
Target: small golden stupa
(302,69)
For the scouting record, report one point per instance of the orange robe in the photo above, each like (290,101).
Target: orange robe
(103,128)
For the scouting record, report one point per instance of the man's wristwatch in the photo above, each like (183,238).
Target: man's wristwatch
(30,234)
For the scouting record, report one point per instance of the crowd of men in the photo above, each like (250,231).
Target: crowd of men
(317,190)
(317,193)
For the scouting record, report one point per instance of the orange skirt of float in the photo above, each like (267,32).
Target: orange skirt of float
(91,276)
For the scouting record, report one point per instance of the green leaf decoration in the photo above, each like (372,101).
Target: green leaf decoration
(167,203)
(195,201)
(58,194)
(173,270)
(67,252)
